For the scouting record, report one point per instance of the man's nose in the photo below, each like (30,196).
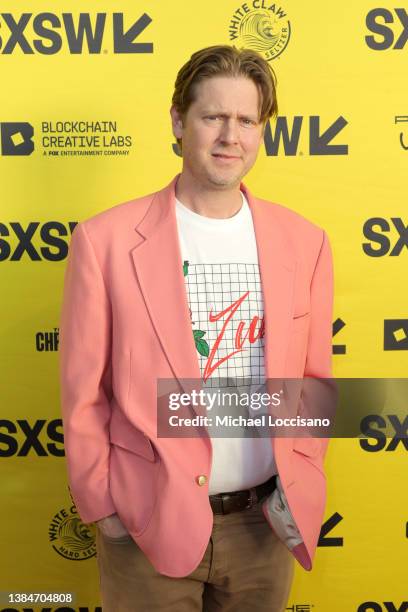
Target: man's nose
(229,131)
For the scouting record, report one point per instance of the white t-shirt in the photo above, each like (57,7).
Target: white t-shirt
(220,264)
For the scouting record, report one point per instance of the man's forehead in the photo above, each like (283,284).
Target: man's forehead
(225,101)
(224,87)
(226,95)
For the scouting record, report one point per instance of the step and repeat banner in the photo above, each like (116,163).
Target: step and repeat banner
(85,125)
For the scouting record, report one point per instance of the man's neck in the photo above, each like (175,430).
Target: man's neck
(213,203)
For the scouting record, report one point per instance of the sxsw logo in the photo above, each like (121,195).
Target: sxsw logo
(16,138)
(396,335)
(377,428)
(21,438)
(17,241)
(319,137)
(338,349)
(386,37)
(376,229)
(385,606)
(48,33)
(328,540)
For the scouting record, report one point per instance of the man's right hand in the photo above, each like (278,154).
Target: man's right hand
(112,526)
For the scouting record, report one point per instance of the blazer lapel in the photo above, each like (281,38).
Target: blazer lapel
(277,269)
(159,269)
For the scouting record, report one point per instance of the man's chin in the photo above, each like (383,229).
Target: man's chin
(224,182)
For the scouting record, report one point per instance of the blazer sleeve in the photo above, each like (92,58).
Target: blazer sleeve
(85,378)
(319,349)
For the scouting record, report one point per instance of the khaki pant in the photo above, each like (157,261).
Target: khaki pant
(245,567)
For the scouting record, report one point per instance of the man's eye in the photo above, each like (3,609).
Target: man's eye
(212,117)
(248,121)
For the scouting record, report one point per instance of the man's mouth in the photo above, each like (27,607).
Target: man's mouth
(224,156)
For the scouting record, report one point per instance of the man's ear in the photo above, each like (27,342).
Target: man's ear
(176,122)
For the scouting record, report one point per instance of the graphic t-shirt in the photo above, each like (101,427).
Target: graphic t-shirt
(220,266)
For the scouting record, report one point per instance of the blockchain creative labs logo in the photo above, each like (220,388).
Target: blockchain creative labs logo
(403,130)
(262,26)
(70,537)
(16,138)
(86,138)
(396,335)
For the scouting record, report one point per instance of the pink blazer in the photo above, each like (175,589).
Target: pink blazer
(125,323)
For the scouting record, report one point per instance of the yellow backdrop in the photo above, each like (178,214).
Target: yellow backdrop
(85,125)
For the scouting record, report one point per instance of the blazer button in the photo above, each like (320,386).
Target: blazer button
(201,480)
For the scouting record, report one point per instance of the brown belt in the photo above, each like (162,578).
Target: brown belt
(224,503)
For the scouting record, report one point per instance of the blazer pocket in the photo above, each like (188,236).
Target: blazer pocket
(128,437)
(307,446)
(310,449)
(300,323)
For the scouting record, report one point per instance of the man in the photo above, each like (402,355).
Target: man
(199,281)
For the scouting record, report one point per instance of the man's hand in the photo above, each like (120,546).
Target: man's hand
(112,526)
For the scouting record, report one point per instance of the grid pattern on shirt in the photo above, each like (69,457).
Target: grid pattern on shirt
(213,288)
